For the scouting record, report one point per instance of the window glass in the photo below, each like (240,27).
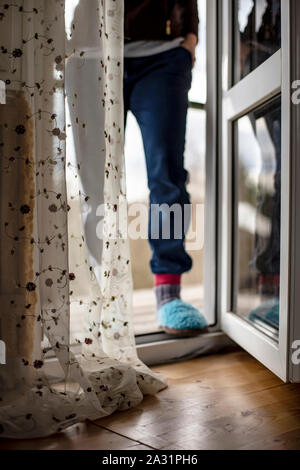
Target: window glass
(258,34)
(258,196)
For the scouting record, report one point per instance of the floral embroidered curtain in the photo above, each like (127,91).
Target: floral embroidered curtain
(65,274)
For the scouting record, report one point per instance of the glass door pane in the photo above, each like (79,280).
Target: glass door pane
(257,35)
(258,205)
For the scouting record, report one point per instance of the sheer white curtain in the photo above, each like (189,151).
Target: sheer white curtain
(65,274)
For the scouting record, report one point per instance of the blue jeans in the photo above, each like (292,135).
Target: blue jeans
(156,92)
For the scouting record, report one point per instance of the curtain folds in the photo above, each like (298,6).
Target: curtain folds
(65,273)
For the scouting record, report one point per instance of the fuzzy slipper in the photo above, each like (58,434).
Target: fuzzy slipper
(180,318)
(267,312)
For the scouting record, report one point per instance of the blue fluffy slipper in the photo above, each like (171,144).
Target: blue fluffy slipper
(180,318)
(267,312)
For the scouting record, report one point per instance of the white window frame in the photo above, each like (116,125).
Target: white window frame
(265,82)
(158,348)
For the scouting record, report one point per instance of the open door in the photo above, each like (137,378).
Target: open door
(257,190)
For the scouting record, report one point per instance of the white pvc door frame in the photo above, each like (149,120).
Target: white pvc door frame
(270,79)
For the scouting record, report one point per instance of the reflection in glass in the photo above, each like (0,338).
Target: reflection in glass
(258,196)
(258,34)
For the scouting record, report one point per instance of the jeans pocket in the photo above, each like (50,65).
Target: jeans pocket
(187,52)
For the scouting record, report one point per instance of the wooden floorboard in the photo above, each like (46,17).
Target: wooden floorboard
(83,436)
(226,401)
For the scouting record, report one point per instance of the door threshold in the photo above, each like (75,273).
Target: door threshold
(167,351)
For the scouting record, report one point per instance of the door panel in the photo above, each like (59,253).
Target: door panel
(257,203)
(257,34)
(255,178)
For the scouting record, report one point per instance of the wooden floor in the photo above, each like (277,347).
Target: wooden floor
(227,401)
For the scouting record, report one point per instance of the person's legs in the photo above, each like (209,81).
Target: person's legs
(156,91)
(159,101)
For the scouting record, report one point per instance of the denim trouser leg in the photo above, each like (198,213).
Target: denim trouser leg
(156,91)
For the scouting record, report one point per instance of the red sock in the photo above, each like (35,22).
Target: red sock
(163,279)
(269,284)
(269,279)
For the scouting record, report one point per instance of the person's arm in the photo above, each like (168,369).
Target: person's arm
(191,38)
